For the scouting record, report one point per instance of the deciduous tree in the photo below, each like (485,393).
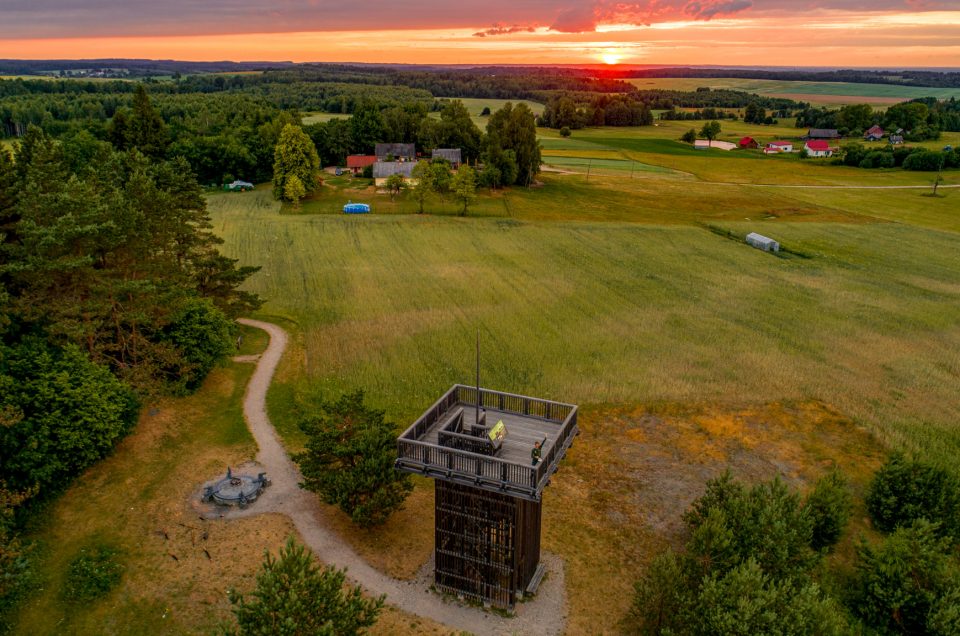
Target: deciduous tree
(423,174)
(465,187)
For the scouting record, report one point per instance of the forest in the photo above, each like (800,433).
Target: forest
(112,291)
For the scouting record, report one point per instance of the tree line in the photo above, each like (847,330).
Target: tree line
(112,291)
(919,119)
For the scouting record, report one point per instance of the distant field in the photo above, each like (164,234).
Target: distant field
(317,118)
(475,106)
(817,93)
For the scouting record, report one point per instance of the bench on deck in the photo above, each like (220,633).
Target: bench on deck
(475,439)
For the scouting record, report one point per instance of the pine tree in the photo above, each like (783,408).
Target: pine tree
(295,597)
(349,459)
(146,130)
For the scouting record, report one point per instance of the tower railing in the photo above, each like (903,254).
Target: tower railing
(463,466)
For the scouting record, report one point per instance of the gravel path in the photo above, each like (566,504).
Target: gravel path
(545,614)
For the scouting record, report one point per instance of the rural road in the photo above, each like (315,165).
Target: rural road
(546,614)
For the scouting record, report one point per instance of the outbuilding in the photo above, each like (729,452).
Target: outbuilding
(823,133)
(762,242)
(454,156)
(356,163)
(748,142)
(396,152)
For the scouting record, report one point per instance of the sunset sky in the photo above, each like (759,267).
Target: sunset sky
(888,33)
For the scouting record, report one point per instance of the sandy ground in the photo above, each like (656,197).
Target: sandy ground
(545,614)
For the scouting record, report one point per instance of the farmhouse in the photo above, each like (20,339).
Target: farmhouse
(778,146)
(397,152)
(818,149)
(748,142)
(384,169)
(874,133)
(491,455)
(453,155)
(356,163)
(823,133)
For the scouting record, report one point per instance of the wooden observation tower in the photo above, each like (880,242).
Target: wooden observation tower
(488,491)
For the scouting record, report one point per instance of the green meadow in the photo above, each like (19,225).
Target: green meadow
(817,93)
(620,290)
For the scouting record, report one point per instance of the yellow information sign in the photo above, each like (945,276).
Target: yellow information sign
(498,432)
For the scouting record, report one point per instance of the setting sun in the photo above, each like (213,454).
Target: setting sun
(610,57)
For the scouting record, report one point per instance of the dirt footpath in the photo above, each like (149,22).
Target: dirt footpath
(545,614)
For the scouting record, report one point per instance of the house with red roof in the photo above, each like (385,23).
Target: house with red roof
(356,163)
(748,142)
(818,148)
(874,133)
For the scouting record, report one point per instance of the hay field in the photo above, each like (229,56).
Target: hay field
(597,311)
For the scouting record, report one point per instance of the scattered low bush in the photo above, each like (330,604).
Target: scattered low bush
(93,573)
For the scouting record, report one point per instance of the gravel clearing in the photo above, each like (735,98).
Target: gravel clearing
(544,614)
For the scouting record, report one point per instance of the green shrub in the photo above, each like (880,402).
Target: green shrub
(924,160)
(62,414)
(829,506)
(878,159)
(565,131)
(903,491)
(204,335)
(93,573)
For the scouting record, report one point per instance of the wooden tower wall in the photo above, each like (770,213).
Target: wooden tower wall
(487,544)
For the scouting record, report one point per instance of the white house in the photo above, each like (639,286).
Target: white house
(818,148)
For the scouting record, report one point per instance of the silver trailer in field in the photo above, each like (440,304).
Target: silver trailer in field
(762,242)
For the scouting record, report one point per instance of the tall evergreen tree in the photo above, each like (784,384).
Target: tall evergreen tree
(146,130)
(295,154)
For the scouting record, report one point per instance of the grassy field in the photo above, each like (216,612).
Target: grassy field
(688,351)
(816,93)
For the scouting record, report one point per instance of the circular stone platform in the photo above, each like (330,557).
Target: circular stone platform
(236,490)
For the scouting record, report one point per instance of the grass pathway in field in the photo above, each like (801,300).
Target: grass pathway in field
(546,614)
